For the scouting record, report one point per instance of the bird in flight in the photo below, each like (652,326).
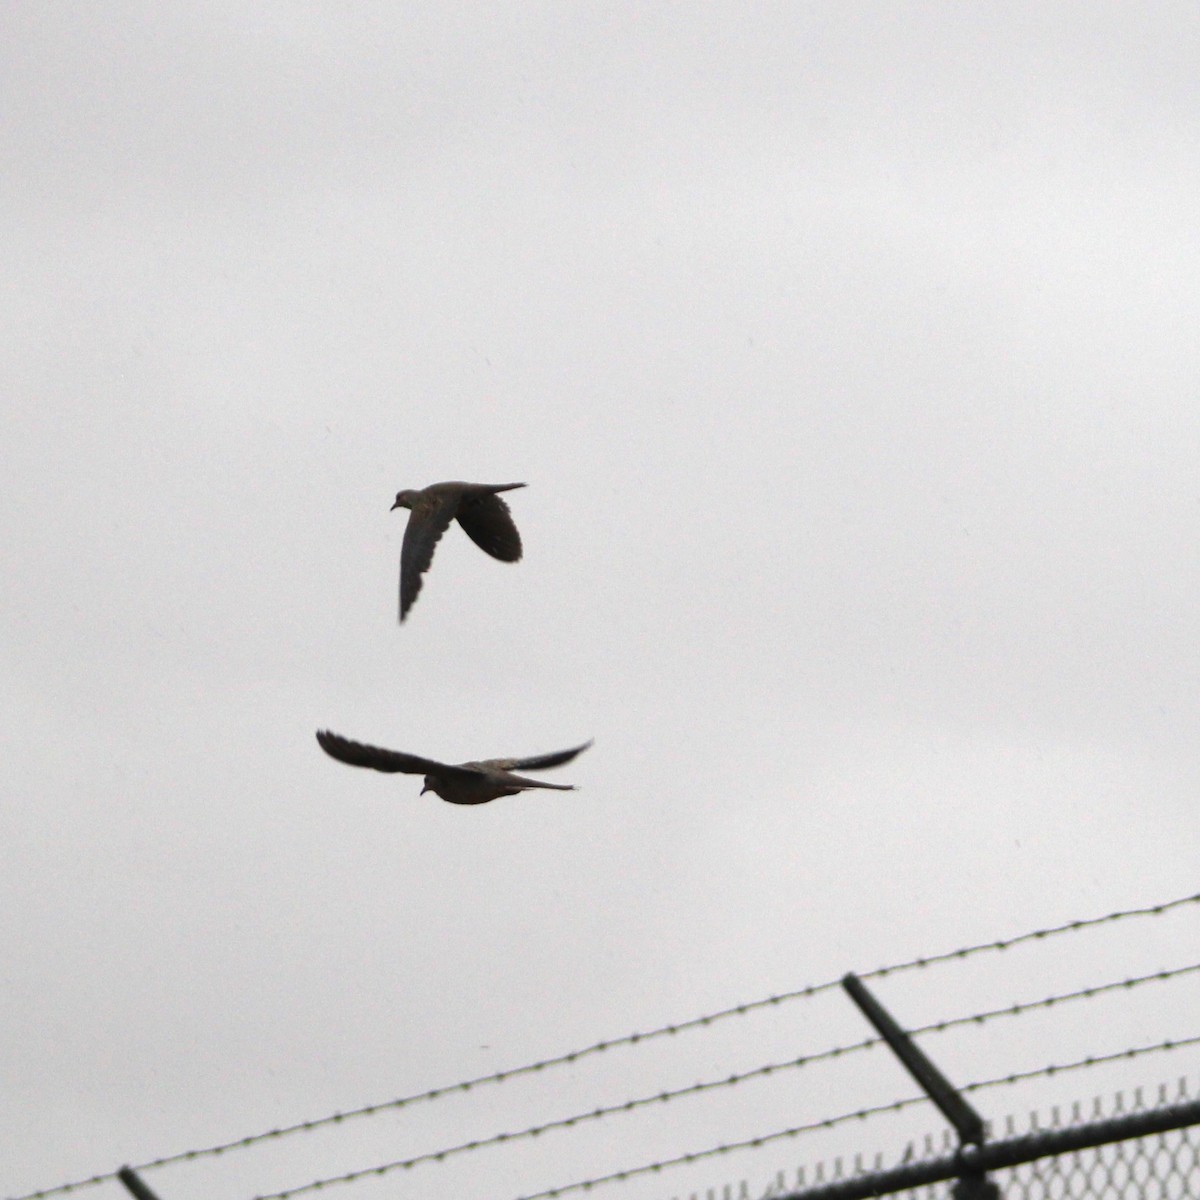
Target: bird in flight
(464,783)
(479,510)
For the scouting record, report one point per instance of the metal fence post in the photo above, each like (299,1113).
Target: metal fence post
(134,1185)
(973,1183)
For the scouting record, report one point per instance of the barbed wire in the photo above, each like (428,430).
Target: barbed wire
(859,1115)
(1086,993)
(631,1039)
(712,1084)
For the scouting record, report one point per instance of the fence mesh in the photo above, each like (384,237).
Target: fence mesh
(1160,1166)
(1164,1166)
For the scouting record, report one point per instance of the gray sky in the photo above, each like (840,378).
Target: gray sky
(850,355)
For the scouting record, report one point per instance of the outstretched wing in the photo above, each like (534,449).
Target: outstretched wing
(538,762)
(487,522)
(392,761)
(430,518)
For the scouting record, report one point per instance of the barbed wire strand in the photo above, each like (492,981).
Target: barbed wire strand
(626,1040)
(830,1122)
(533,1131)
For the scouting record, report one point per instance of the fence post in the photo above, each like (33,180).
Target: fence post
(133,1184)
(975,1187)
(971,1184)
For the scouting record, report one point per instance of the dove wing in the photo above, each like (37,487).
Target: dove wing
(392,762)
(488,523)
(430,518)
(538,762)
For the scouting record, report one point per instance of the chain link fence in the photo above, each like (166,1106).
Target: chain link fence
(1165,1166)
(1156,1166)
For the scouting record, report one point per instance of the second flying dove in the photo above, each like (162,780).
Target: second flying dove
(459,783)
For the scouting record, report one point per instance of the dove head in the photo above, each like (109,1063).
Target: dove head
(404,499)
(430,785)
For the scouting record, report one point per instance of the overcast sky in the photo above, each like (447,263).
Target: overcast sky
(850,354)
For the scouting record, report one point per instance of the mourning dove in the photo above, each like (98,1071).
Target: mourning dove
(465,783)
(479,510)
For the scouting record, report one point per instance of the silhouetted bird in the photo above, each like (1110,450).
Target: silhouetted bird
(481,513)
(465,783)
